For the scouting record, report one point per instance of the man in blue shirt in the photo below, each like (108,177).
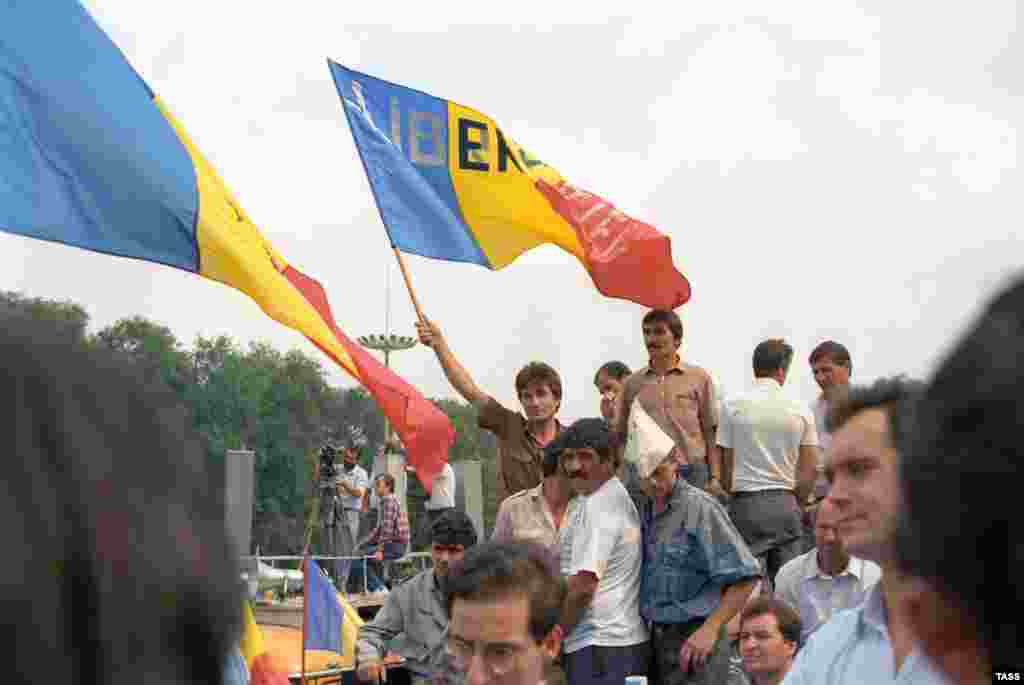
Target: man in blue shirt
(873,643)
(697,574)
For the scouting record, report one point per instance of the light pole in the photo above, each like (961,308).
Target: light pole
(387,344)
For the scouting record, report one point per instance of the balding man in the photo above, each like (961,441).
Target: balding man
(826,579)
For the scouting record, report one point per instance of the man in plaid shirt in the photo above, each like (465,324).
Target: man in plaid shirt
(389,540)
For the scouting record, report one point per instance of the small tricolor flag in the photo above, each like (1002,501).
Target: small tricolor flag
(91,157)
(324,615)
(451,185)
(254,651)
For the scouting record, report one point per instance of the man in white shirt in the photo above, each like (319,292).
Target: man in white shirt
(600,556)
(873,643)
(826,579)
(442,493)
(771,444)
(832,368)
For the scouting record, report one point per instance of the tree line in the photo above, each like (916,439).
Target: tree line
(276,403)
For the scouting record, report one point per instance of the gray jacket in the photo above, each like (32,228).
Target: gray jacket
(411,623)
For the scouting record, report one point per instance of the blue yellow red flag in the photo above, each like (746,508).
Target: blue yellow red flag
(451,185)
(91,157)
(324,613)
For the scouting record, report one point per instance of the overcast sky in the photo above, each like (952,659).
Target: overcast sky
(825,170)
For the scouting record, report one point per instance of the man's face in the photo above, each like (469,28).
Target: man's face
(830,375)
(443,556)
(826,533)
(489,641)
(863,472)
(584,469)
(380,487)
(539,403)
(350,459)
(659,339)
(762,646)
(610,389)
(661,481)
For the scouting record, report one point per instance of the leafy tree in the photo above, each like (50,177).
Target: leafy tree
(71,318)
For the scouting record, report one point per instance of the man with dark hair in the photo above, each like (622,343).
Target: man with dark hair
(679,397)
(413,619)
(873,643)
(961,535)
(826,579)
(117,563)
(832,368)
(697,574)
(772,441)
(389,540)
(504,604)
(538,514)
(606,640)
(521,439)
(769,637)
(608,380)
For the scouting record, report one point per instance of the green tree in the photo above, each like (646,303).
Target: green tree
(72,319)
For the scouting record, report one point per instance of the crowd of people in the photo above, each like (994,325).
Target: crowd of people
(120,568)
(772,543)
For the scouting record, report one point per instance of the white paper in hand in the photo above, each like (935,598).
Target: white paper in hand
(647,445)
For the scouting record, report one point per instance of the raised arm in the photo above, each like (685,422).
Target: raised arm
(430,335)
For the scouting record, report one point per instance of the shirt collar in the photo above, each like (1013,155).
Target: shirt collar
(873,611)
(854,567)
(767,383)
(678,367)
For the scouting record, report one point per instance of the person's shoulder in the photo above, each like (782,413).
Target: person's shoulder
(793,569)
(827,642)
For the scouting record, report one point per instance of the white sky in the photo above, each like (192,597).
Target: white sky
(825,170)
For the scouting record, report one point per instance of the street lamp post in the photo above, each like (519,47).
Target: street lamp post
(387,344)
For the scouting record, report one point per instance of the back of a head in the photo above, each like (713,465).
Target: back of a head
(771,356)
(117,565)
(962,478)
(508,569)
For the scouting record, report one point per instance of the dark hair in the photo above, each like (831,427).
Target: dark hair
(788,619)
(892,395)
(539,372)
(389,481)
(667,317)
(513,568)
(770,356)
(613,369)
(592,433)
(837,352)
(118,565)
(453,527)
(962,479)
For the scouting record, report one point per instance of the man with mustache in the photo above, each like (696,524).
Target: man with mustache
(521,439)
(606,639)
(680,398)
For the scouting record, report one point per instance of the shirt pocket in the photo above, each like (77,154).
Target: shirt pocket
(682,572)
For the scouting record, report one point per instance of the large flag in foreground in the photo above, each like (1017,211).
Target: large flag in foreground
(90,157)
(451,185)
(258,665)
(324,616)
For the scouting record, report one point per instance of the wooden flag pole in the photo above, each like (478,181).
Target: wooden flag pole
(408,285)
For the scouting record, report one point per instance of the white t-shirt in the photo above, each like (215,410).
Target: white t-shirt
(355,478)
(442,489)
(602,535)
(765,430)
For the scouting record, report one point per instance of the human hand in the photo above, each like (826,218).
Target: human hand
(379,555)
(370,672)
(428,332)
(715,489)
(695,652)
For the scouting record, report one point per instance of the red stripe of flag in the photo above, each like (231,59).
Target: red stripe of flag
(424,429)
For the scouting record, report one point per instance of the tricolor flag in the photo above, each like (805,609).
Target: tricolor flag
(254,651)
(323,614)
(91,157)
(451,185)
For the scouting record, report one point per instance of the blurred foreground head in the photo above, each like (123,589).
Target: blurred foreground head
(962,532)
(116,563)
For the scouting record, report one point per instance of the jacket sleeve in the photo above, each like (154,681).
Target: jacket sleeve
(375,635)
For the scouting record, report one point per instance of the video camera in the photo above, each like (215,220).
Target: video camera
(328,468)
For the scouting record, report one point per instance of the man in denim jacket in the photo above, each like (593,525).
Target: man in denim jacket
(697,574)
